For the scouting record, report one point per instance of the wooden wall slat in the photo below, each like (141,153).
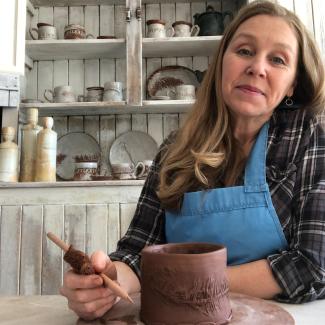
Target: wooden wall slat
(96,227)
(52,264)
(31,250)
(319,24)
(10,240)
(126,214)
(75,227)
(113,226)
(107,136)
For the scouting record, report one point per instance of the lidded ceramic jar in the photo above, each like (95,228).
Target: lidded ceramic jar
(184,284)
(8,156)
(74,31)
(28,146)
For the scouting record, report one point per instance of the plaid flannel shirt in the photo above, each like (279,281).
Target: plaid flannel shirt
(295,173)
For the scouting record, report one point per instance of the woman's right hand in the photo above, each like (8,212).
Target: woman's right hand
(86,295)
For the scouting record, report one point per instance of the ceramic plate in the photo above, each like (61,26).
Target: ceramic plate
(167,78)
(133,146)
(71,145)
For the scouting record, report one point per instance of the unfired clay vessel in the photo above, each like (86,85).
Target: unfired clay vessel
(184,284)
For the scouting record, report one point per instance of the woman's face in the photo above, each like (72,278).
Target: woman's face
(259,67)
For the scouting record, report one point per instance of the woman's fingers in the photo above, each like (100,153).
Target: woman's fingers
(92,309)
(73,280)
(102,263)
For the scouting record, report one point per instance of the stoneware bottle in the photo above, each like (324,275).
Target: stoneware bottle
(46,153)
(28,146)
(8,156)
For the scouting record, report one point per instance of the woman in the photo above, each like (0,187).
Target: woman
(246,170)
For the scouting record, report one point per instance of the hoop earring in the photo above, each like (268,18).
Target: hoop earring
(288,101)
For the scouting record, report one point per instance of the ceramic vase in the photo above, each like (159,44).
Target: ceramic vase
(46,153)
(8,156)
(28,146)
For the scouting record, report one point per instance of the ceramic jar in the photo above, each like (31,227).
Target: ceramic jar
(184,284)
(156,29)
(29,134)
(85,170)
(94,94)
(74,31)
(45,170)
(183,92)
(8,156)
(113,91)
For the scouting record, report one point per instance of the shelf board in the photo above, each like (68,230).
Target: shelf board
(108,108)
(180,46)
(75,49)
(71,184)
(65,3)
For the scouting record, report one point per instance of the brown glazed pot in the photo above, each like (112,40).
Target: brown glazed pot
(184,284)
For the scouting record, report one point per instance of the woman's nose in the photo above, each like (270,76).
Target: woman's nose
(257,67)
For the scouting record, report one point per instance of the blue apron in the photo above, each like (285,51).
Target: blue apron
(241,217)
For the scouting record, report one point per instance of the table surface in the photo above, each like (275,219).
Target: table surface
(53,310)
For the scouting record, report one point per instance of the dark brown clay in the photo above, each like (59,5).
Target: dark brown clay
(184,284)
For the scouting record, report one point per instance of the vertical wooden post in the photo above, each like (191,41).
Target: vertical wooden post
(133,52)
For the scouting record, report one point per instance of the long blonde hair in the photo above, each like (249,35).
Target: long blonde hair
(205,153)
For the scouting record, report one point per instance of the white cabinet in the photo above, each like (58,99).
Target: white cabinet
(12,26)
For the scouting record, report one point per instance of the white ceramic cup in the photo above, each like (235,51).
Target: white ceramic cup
(44,32)
(183,92)
(113,91)
(127,170)
(60,94)
(185,29)
(94,94)
(156,29)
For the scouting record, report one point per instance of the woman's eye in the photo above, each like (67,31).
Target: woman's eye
(244,52)
(278,60)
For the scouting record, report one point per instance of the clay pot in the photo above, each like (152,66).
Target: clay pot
(184,284)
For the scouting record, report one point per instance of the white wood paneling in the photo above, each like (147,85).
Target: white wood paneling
(75,227)
(96,228)
(31,250)
(126,214)
(52,265)
(10,241)
(319,24)
(113,226)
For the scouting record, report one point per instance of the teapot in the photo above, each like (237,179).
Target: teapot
(211,22)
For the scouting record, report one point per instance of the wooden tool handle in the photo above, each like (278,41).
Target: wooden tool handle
(56,240)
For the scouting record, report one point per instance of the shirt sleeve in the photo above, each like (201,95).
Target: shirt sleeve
(300,270)
(148,224)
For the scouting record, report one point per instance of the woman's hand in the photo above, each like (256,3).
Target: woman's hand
(86,295)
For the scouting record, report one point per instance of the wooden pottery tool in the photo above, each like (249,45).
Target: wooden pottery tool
(81,263)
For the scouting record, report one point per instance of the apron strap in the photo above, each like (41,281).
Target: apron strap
(255,179)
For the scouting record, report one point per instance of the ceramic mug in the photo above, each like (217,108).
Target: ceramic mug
(94,94)
(183,92)
(113,91)
(44,32)
(185,29)
(74,31)
(128,170)
(61,94)
(156,29)
(85,170)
